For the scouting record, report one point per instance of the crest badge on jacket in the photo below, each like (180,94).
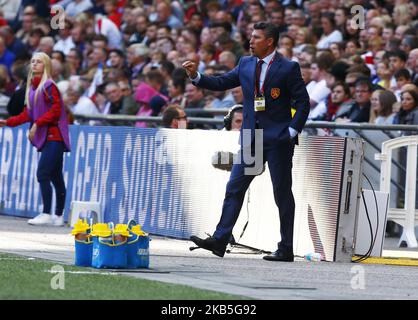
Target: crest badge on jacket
(275,93)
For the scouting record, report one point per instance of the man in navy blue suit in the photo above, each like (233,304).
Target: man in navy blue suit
(271,85)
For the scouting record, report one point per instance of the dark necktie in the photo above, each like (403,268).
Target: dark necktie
(257,76)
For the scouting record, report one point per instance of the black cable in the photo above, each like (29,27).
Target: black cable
(373,238)
(248,215)
(237,244)
(367,254)
(377,208)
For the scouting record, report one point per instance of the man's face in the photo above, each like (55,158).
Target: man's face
(27,22)
(141,24)
(350,81)
(387,34)
(192,94)
(383,71)
(338,95)
(305,57)
(259,44)
(412,58)
(172,90)
(131,57)
(76,34)
(115,59)
(285,42)
(329,80)
(237,94)
(401,81)
(314,72)
(236,122)
(362,94)
(151,32)
(395,63)
(180,122)
(372,33)
(306,74)
(164,46)
(350,48)
(162,33)
(339,17)
(125,88)
(276,18)
(98,55)
(113,94)
(163,12)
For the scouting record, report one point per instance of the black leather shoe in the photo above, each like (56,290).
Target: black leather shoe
(280,255)
(217,247)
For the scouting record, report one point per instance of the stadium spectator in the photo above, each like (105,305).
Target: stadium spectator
(7,57)
(238,95)
(76,7)
(137,56)
(402,77)
(330,32)
(17,99)
(360,109)
(319,68)
(13,44)
(233,120)
(381,110)
(174,117)
(383,75)
(78,103)
(4,80)
(194,97)
(166,16)
(176,88)
(408,114)
(46,45)
(145,92)
(119,104)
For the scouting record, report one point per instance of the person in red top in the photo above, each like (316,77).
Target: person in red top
(111,8)
(44,109)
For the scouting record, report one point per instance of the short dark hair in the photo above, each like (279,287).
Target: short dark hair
(62,55)
(346,88)
(411,41)
(402,73)
(330,16)
(399,54)
(119,52)
(100,37)
(270,31)
(364,81)
(179,83)
(169,114)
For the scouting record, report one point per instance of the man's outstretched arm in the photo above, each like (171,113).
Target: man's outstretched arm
(223,82)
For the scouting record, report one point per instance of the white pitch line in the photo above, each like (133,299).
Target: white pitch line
(84,272)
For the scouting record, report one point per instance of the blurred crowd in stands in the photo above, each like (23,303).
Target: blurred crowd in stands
(125,56)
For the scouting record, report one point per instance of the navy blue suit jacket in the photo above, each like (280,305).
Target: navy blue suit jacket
(283,76)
